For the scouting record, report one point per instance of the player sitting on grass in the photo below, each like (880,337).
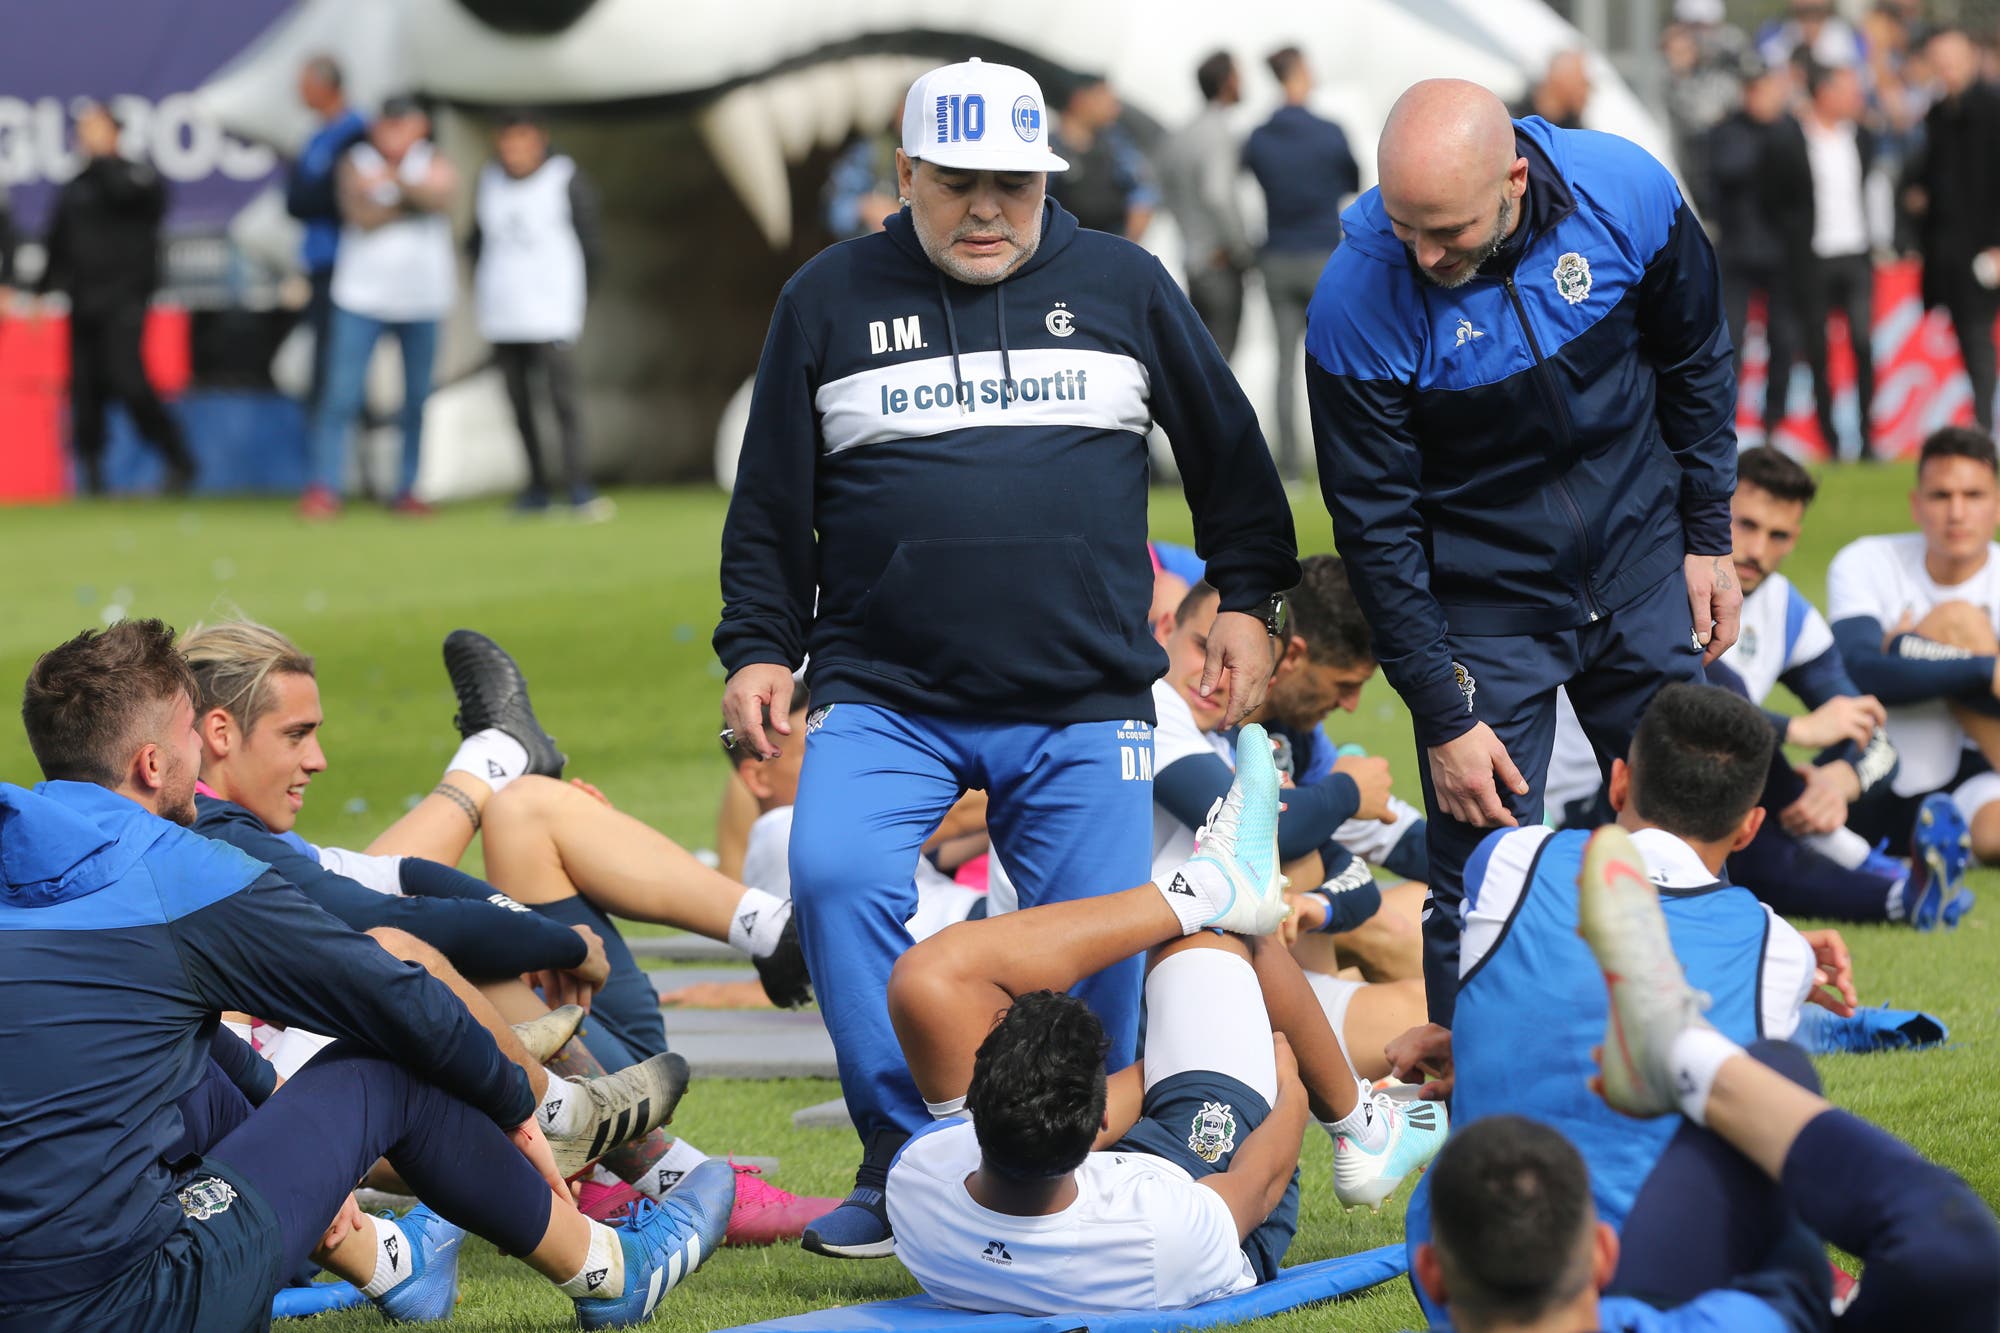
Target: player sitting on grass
(1528,1002)
(1342,918)
(1173,1181)
(1915,615)
(554,847)
(1804,861)
(137,1192)
(1729,1232)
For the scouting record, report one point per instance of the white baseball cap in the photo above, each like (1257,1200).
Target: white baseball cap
(979,117)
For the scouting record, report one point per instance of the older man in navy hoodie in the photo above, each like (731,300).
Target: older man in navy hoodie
(138,1189)
(947,448)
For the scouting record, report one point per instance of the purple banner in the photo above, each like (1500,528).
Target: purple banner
(144,58)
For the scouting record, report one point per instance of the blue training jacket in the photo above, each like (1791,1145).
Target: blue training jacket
(959,472)
(122,938)
(1534,449)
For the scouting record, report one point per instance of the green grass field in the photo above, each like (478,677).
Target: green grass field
(611,624)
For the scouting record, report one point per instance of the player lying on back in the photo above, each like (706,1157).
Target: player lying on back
(1173,1181)
(1730,1230)
(1804,861)
(560,858)
(134,1194)
(1915,615)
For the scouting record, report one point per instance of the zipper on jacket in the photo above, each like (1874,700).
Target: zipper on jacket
(1560,412)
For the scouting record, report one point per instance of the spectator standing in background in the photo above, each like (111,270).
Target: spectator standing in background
(309,197)
(861,183)
(104,252)
(1108,185)
(1562,94)
(535,247)
(1954,191)
(1707,61)
(1840,153)
(1307,171)
(7,243)
(1762,221)
(395,271)
(1815,29)
(1198,179)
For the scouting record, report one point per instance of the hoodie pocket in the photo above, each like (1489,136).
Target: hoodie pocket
(987,618)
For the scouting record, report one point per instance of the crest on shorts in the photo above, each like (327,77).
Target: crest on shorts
(204,1198)
(1214,1131)
(1573,277)
(1467,686)
(817,718)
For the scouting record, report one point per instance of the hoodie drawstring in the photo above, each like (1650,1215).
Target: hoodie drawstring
(951,337)
(959,391)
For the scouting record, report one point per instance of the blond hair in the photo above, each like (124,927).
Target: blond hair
(232,664)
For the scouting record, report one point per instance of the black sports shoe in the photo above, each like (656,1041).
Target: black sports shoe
(784,971)
(493,693)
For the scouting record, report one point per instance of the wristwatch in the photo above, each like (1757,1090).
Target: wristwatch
(1277,617)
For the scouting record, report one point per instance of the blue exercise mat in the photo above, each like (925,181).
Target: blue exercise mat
(297,1302)
(1292,1288)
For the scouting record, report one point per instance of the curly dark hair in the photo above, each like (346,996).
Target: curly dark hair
(1037,1093)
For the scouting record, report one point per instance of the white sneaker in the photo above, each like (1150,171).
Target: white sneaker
(1618,915)
(1417,1130)
(1241,839)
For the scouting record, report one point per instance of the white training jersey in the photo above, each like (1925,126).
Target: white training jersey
(1781,631)
(1783,982)
(941,900)
(529,285)
(406,270)
(1884,578)
(1175,736)
(1141,1235)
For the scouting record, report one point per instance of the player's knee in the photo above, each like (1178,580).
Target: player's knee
(402,944)
(529,797)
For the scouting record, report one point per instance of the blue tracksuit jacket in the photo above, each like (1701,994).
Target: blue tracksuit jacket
(1532,450)
(959,472)
(122,937)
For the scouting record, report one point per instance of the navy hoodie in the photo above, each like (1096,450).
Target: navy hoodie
(1532,450)
(122,938)
(958,473)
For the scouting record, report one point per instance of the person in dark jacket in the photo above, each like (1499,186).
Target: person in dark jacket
(943,501)
(1840,152)
(1954,189)
(1761,213)
(1522,400)
(139,1190)
(310,197)
(104,252)
(1304,166)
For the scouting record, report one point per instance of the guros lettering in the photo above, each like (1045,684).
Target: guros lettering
(181,141)
(971,395)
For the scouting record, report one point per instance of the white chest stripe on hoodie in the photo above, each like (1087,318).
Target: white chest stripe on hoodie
(1052,386)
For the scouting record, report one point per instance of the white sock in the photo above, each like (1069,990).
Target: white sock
(757,922)
(1696,1057)
(560,1108)
(1844,847)
(603,1272)
(492,756)
(951,1110)
(1198,892)
(392,1257)
(663,1175)
(1365,1124)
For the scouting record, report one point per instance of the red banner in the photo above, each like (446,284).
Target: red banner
(1920,382)
(34,375)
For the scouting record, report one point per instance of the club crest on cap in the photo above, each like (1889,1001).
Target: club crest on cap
(1027,119)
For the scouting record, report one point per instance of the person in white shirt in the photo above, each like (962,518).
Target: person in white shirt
(535,248)
(1840,152)
(1170,1182)
(395,272)
(1915,614)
